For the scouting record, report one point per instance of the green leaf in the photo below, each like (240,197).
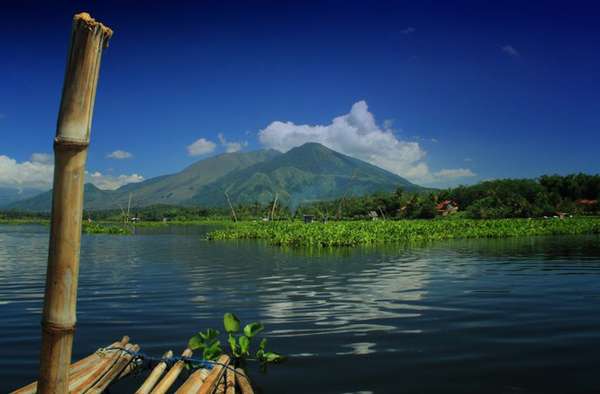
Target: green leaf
(244,342)
(196,342)
(253,328)
(263,344)
(233,345)
(271,357)
(211,334)
(213,351)
(231,323)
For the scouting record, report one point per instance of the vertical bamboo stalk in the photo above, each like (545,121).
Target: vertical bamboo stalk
(88,39)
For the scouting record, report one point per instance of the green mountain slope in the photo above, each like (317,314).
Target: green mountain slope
(43,202)
(306,173)
(9,195)
(176,188)
(167,189)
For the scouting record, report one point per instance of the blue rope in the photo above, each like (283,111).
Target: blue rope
(170,361)
(198,362)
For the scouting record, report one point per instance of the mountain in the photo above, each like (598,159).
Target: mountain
(94,197)
(174,189)
(178,188)
(9,195)
(307,173)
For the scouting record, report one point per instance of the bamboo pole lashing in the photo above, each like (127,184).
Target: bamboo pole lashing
(212,381)
(88,39)
(112,373)
(83,383)
(168,380)
(220,386)
(154,376)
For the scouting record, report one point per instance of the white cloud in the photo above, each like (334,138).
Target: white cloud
(231,146)
(34,173)
(510,51)
(119,155)
(201,147)
(38,172)
(408,30)
(42,158)
(111,182)
(357,134)
(453,173)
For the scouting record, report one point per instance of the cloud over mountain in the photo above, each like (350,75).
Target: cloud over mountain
(358,135)
(38,172)
(200,147)
(119,155)
(34,173)
(231,146)
(111,182)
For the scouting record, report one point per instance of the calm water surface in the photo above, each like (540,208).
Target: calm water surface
(493,316)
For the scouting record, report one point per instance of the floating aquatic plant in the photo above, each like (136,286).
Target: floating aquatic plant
(239,340)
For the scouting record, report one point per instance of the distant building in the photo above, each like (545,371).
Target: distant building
(586,202)
(373,215)
(446,207)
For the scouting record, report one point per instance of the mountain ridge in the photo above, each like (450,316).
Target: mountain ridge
(306,173)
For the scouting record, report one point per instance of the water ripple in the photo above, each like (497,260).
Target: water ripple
(457,311)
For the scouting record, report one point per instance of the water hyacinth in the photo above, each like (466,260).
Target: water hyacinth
(402,231)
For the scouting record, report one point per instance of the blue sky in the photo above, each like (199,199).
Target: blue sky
(440,93)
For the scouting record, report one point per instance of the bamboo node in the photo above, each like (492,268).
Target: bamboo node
(62,143)
(57,328)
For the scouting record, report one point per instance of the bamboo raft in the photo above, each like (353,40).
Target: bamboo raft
(96,372)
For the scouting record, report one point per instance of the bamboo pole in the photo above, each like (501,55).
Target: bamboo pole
(243,382)
(230,381)
(88,38)
(194,382)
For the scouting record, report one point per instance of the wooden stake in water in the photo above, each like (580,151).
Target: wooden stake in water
(88,39)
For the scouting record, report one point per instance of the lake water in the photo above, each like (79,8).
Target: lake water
(473,316)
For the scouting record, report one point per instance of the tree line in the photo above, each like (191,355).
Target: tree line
(549,195)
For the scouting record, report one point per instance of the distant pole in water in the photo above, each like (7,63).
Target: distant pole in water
(128,207)
(231,207)
(88,39)
(274,204)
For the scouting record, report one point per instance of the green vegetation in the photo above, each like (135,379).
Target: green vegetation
(549,195)
(239,344)
(11,217)
(100,228)
(353,233)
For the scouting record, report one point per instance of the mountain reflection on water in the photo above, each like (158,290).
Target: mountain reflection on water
(500,316)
